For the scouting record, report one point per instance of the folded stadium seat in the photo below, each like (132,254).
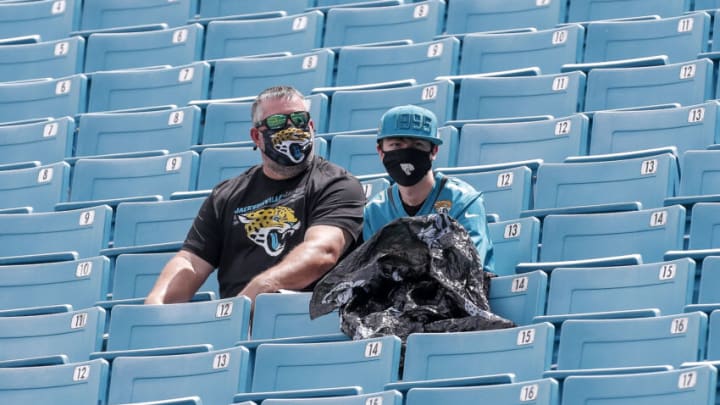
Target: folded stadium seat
(287,315)
(39,98)
(22,60)
(38,188)
(708,298)
(381,63)
(519,298)
(385,397)
(245,77)
(694,385)
(699,174)
(680,38)
(705,226)
(372,186)
(144,129)
(418,22)
(588,10)
(713,343)
(221,8)
(251,35)
(78,283)
(359,108)
(133,49)
(135,274)
(219,323)
(218,164)
(706,4)
(121,179)
(687,83)
(212,376)
(503,140)
(45,140)
(514,241)
(49,19)
(465,16)
(74,334)
(145,87)
(685,128)
(99,14)
(368,364)
(546,49)
(77,383)
(507,190)
(540,392)
(83,232)
(558,95)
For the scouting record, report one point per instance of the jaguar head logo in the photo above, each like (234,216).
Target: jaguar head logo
(292,142)
(270,227)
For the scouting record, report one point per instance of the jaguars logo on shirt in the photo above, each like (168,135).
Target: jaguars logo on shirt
(443,206)
(270,227)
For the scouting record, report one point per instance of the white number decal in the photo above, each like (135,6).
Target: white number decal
(505,179)
(687,71)
(63,87)
(224,309)
(176,118)
(81,373)
(560,83)
(519,284)
(687,380)
(429,93)
(58,7)
(559,37)
(84,269)
(658,218)
(300,23)
(367,188)
(50,130)
(696,115)
(310,62)
(648,167)
(529,392)
(78,321)
(667,271)
(221,360)
(563,127)
(174,163)
(180,36)
(435,50)
(374,401)
(685,25)
(87,218)
(512,230)
(373,349)
(421,11)
(678,325)
(61,48)
(541,3)
(525,337)
(45,175)
(186,74)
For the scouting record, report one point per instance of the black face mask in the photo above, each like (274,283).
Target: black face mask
(288,146)
(407,166)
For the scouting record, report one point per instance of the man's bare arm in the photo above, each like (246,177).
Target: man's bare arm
(181,277)
(319,252)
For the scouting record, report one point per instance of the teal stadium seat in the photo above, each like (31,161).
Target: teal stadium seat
(220,8)
(384,397)
(514,241)
(49,19)
(45,140)
(587,10)
(465,16)
(540,392)
(100,14)
(23,60)
(519,297)
(39,98)
(287,315)
(39,188)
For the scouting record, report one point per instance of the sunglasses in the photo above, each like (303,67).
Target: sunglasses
(299,119)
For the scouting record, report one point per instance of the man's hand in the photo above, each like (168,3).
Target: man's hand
(259,285)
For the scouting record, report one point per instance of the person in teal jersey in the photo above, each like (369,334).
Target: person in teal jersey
(407,143)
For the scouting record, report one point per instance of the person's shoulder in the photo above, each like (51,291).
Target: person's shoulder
(329,169)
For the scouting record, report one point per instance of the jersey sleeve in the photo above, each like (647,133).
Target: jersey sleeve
(205,235)
(473,219)
(340,204)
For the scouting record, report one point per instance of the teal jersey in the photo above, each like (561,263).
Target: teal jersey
(461,200)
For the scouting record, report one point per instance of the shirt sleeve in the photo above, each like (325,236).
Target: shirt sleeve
(473,219)
(206,233)
(340,204)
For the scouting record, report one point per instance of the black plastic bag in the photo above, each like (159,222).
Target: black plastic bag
(417,274)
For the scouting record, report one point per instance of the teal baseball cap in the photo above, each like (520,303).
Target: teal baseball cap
(409,121)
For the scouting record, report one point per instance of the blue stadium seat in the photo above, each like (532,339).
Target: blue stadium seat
(74,334)
(540,392)
(218,164)
(422,62)
(135,275)
(519,298)
(514,241)
(124,50)
(43,140)
(385,397)
(507,191)
(50,19)
(240,77)
(700,173)
(78,383)
(374,186)
(687,83)
(465,16)
(42,98)
(79,283)
(83,231)
(680,38)
(694,385)
(546,49)
(587,10)
(38,187)
(418,22)
(691,127)
(221,8)
(212,376)
(356,153)
(708,292)
(551,140)
(558,95)
(648,180)
(219,323)
(649,233)
(23,61)
(705,226)
(287,315)
(98,14)
(361,109)
(144,87)
(706,4)
(294,33)
(632,342)
(163,128)
(713,343)
(525,352)
(108,179)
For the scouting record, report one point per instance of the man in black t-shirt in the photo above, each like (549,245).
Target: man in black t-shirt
(280,225)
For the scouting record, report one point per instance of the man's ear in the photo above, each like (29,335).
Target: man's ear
(311,125)
(434,152)
(255,136)
(379,149)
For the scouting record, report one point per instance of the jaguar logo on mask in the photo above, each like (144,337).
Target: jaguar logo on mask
(289,146)
(408,168)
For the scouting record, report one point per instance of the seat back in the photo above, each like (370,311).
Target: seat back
(50,19)
(220,323)
(514,241)
(374,186)
(547,49)
(558,95)
(99,14)
(713,343)
(287,315)
(74,334)
(705,226)
(213,376)
(519,297)
(708,292)
(587,10)
(79,283)
(384,397)
(124,50)
(30,61)
(649,233)
(541,392)
(42,98)
(700,173)
(466,16)
(356,153)
(44,140)
(368,363)
(37,187)
(217,164)
(146,223)
(220,8)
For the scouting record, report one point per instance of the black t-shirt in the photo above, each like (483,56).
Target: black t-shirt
(250,222)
